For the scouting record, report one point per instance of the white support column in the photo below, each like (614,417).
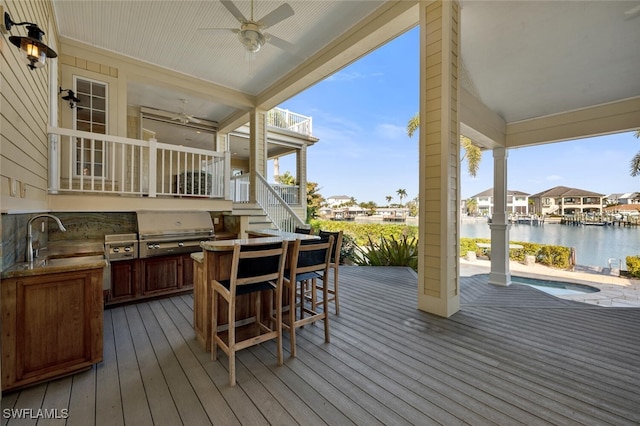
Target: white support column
(257,150)
(439,214)
(301,175)
(500,274)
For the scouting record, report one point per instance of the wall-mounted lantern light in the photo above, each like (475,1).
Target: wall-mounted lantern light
(70,97)
(33,50)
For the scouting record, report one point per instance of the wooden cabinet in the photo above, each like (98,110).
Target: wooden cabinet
(51,326)
(167,274)
(124,281)
(154,276)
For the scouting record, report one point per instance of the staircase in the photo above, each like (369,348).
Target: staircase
(258,219)
(270,210)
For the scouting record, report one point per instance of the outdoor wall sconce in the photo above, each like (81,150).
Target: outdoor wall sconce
(70,97)
(33,50)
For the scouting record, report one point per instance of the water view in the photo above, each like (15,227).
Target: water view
(594,244)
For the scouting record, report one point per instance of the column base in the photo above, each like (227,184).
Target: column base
(499,278)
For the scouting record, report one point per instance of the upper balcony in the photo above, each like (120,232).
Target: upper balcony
(287,120)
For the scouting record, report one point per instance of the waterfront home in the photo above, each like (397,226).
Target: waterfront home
(624,198)
(517,202)
(562,200)
(338,201)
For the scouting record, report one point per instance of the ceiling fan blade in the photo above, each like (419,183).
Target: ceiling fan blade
(234,10)
(278,14)
(281,44)
(233,30)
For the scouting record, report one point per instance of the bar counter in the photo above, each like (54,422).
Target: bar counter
(216,264)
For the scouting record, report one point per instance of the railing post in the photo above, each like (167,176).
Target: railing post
(54,164)
(153,166)
(227,176)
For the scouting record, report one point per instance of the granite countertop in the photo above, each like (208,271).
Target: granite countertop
(61,256)
(45,265)
(262,236)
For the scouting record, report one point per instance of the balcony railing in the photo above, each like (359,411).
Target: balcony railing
(285,119)
(97,163)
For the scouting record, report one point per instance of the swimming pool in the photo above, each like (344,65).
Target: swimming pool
(556,288)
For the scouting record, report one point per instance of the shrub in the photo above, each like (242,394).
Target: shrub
(633,266)
(390,252)
(556,256)
(348,249)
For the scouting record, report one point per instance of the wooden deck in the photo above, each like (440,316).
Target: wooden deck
(510,356)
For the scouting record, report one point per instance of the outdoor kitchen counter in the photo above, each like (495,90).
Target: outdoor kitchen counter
(44,265)
(52,318)
(216,265)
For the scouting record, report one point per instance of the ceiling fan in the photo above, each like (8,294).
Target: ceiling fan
(183,117)
(251,33)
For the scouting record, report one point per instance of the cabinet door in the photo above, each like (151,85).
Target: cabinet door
(124,280)
(52,325)
(187,272)
(161,274)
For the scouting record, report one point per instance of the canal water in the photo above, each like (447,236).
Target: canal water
(594,245)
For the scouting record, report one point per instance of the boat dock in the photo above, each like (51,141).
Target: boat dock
(600,220)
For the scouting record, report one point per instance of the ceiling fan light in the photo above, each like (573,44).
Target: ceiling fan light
(252,40)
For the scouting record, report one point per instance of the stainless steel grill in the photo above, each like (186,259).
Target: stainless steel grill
(120,247)
(172,232)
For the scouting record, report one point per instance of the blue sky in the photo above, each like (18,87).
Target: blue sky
(360,116)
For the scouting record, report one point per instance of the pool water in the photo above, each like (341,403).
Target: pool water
(556,288)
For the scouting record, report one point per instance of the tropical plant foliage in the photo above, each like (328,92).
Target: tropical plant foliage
(472,153)
(635,161)
(389,252)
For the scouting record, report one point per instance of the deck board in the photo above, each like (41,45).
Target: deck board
(511,355)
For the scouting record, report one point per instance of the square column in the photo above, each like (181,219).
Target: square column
(500,274)
(257,149)
(439,229)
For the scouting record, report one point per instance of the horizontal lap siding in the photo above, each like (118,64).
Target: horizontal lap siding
(24,114)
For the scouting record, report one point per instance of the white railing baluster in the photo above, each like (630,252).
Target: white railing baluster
(70,158)
(92,155)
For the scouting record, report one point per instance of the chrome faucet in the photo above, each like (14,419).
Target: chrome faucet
(30,233)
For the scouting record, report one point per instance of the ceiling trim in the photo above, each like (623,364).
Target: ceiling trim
(481,124)
(612,117)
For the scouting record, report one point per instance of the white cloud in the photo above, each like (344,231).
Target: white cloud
(390,131)
(554,177)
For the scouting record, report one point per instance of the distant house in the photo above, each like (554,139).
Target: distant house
(562,200)
(517,202)
(626,198)
(337,200)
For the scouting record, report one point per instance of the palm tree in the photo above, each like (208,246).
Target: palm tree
(388,198)
(635,161)
(401,193)
(472,206)
(471,152)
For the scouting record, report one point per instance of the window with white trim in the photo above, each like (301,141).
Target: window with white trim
(90,116)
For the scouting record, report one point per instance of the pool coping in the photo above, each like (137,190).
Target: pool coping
(614,291)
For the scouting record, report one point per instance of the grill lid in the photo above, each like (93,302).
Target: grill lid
(163,224)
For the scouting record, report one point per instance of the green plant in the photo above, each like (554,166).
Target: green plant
(633,266)
(389,252)
(348,249)
(556,256)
